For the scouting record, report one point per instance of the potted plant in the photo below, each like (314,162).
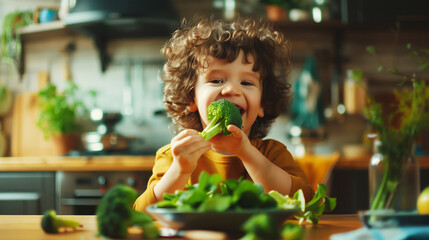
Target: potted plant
(10,40)
(58,115)
(278,9)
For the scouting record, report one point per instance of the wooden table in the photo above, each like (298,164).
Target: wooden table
(20,227)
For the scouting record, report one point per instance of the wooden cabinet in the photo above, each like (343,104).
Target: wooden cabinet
(26,193)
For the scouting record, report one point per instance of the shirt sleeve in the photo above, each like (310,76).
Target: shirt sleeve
(162,163)
(278,153)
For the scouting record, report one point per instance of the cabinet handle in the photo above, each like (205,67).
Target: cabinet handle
(19,196)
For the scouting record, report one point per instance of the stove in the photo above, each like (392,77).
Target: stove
(79,193)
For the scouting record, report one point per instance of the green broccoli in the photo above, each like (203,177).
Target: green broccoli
(115,214)
(221,113)
(292,231)
(259,227)
(51,223)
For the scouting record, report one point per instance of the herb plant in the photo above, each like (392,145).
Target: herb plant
(58,110)
(397,140)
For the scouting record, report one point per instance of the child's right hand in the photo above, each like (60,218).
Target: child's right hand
(187,147)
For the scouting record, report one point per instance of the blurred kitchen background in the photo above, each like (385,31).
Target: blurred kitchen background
(113,48)
(116,53)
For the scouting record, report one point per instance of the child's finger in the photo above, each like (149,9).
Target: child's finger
(236,132)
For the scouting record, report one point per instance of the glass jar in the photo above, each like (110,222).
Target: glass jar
(400,193)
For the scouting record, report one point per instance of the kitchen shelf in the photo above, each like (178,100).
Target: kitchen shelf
(45,31)
(332,25)
(40,32)
(58,28)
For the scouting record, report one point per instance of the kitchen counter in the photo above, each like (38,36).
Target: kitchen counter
(87,163)
(19,227)
(135,163)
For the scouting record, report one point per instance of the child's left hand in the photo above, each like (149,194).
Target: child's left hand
(234,144)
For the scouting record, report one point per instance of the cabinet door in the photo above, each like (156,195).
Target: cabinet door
(26,192)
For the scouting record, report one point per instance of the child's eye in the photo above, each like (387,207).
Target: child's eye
(216,81)
(247,83)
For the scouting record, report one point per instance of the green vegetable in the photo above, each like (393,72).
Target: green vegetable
(212,193)
(310,211)
(260,227)
(292,231)
(221,113)
(115,214)
(51,223)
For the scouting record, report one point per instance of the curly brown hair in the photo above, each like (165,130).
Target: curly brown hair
(193,41)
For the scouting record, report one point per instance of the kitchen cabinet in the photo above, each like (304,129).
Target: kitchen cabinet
(71,185)
(351,188)
(26,193)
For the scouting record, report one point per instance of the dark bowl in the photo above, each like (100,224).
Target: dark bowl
(386,219)
(228,221)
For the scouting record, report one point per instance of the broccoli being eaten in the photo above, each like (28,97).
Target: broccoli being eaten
(51,223)
(115,214)
(221,113)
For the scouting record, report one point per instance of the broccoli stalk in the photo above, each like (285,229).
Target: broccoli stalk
(221,113)
(51,223)
(115,214)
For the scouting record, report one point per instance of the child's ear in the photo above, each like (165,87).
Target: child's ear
(261,112)
(192,107)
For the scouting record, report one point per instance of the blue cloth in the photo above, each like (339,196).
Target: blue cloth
(396,233)
(306,108)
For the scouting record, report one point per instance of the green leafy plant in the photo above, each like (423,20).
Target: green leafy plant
(10,39)
(397,139)
(212,193)
(59,110)
(311,210)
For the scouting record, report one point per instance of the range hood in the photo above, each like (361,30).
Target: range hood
(103,20)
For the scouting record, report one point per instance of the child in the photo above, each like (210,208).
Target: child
(208,60)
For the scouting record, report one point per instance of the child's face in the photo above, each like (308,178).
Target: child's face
(235,82)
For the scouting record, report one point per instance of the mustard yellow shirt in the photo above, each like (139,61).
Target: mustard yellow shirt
(229,167)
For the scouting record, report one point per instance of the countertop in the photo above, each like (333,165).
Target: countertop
(134,163)
(20,227)
(87,163)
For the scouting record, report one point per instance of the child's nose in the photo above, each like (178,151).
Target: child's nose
(231,89)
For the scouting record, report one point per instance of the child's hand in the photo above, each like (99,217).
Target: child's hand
(234,144)
(187,147)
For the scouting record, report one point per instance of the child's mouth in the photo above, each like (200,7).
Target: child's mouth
(241,110)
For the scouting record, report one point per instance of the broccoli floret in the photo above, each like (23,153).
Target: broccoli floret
(51,223)
(221,113)
(292,231)
(260,227)
(115,214)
